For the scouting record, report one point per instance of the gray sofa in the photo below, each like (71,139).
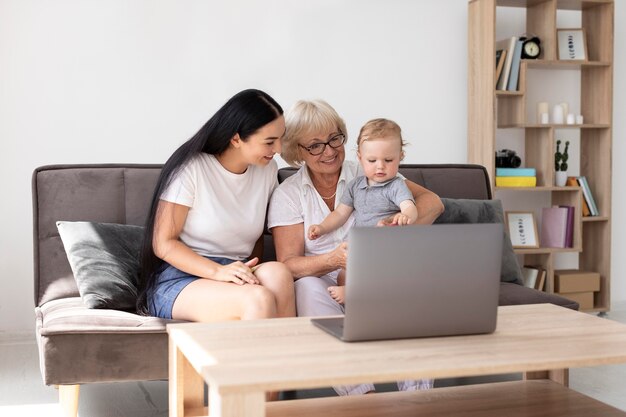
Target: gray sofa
(78,345)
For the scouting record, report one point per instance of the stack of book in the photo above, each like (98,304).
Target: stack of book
(516,177)
(508,59)
(557,227)
(589,203)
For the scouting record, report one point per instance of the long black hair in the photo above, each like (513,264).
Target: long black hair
(244,114)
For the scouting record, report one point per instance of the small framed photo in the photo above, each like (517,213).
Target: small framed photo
(572,44)
(522,229)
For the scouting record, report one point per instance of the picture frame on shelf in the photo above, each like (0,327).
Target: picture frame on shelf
(572,44)
(522,229)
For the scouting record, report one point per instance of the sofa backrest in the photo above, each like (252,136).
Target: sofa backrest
(445,180)
(121,193)
(108,193)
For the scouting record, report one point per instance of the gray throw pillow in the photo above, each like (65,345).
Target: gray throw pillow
(484,211)
(104,258)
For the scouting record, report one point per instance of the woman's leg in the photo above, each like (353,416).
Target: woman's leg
(313,299)
(277,278)
(205,300)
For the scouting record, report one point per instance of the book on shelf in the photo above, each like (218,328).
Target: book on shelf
(569,231)
(591,203)
(541,280)
(500,58)
(529,276)
(573,181)
(516,172)
(516,181)
(509,45)
(553,227)
(515,64)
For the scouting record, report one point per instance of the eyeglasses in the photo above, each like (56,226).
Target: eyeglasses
(318,148)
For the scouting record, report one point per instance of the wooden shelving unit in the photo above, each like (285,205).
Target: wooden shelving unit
(489,110)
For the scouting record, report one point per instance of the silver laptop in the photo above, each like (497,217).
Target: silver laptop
(420,281)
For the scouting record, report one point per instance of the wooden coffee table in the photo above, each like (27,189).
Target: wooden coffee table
(242,360)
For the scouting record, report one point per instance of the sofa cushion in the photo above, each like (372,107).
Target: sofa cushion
(80,345)
(484,211)
(104,258)
(512,294)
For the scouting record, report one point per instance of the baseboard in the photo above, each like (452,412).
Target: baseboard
(17,337)
(618,305)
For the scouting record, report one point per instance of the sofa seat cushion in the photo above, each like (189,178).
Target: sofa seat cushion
(513,294)
(70,315)
(81,345)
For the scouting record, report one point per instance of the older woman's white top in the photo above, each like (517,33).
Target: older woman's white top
(296,201)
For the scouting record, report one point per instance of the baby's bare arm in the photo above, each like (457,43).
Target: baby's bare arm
(332,222)
(407,207)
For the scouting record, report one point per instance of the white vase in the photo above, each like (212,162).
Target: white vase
(560,178)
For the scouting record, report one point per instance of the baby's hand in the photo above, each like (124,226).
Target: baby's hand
(315,231)
(401,219)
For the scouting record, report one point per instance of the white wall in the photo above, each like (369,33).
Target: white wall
(87,81)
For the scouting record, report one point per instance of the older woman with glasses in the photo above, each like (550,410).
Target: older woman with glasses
(314,141)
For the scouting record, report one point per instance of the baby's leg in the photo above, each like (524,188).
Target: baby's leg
(341,278)
(338,293)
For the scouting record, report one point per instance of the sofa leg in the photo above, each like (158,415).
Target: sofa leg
(68,397)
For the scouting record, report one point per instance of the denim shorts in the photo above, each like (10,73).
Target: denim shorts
(168,284)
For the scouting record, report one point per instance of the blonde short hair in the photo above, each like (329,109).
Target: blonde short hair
(380,129)
(307,118)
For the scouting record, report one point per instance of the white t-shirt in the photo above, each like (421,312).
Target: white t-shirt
(296,201)
(226,210)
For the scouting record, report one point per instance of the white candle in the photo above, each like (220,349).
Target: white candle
(545,118)
(579,119)
(542,107)
(565,109)
(557,114)
(570,119)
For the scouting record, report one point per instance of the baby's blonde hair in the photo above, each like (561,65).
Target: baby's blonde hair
(377,129)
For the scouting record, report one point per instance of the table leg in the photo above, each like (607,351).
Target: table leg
(186,387)
(560,376)
(237,404)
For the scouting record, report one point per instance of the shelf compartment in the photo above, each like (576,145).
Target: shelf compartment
(592,219)
(541,250)
(560,4)
(553,126)
(541,188)
(561,64)
(509,93)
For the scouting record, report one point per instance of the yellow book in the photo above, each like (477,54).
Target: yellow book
(516,181)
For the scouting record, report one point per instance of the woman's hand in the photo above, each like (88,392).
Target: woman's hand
(339,256)
(237,272)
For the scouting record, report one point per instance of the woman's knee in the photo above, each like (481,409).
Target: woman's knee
(258,302)
(276,274)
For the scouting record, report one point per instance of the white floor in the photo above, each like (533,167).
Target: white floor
(23,394)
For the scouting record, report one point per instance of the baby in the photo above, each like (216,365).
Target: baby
(379,196)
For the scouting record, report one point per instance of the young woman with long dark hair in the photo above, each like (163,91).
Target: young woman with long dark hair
(206,221)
